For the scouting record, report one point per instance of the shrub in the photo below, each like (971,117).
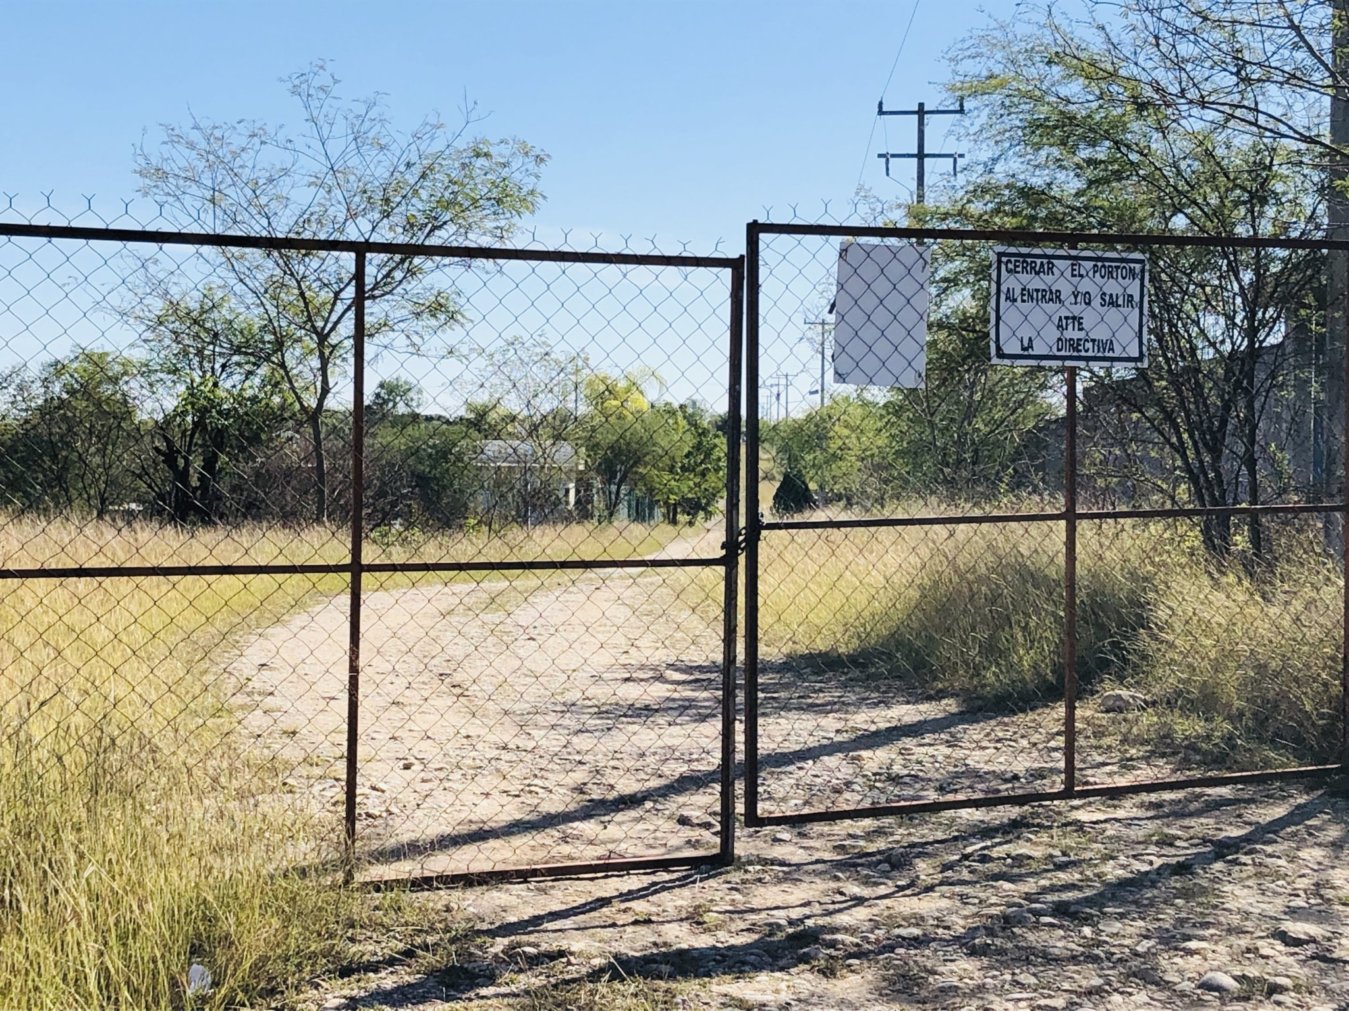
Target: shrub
(986,622)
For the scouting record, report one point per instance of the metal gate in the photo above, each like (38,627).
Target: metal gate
(456,644)
(1000,588)
(450,596)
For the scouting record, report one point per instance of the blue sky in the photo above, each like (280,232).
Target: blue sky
(678,119)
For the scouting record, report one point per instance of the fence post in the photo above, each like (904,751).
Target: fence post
(1070,583)
(357,537)
(732,549)
(752,525)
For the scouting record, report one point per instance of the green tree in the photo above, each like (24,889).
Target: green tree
(620,434)
(1256,68)
(391,398)
(1080,150)
(685,472)
(793,494)
(1274,72)
(964,432)
(839,449)
(74,434)
(216,406)
(348,174)
(418,467)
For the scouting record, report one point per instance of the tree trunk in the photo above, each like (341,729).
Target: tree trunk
(320,467)
(1217,534)
(1250,444)
(1302,434)
(208,496)
(175,496)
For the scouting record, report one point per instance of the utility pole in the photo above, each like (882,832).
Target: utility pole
(823,324)
(784,393)
(779,381)
(775,406)
(922,154)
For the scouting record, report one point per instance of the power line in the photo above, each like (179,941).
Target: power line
(866,155)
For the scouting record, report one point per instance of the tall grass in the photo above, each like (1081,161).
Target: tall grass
(1238,669)
(138,833)
(1246,672)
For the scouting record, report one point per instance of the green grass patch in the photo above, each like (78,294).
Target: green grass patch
(610,995)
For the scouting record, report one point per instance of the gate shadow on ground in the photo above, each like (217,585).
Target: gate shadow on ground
(995,826)
(802,684)
(821,682)
(912,967)
(689,691)
(680,785)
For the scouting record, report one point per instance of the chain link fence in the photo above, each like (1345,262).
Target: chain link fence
(975,583)
(421,562)
(410,554)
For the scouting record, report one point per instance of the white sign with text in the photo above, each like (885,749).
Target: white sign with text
(1068,307)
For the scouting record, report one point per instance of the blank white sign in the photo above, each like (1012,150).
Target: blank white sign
(880,322)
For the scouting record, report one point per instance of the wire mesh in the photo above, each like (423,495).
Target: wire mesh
(954,574)
(442,564)
(420,549)
(871,689)
(1212,669)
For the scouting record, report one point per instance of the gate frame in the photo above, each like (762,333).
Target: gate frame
(1070,516)
(355,567)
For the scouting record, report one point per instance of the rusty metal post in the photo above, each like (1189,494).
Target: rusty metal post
(732,549)
(1070,583)
(1344,552)
(752,525)
(357,537)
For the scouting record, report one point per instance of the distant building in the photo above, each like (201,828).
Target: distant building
(1121,461)
(527,482)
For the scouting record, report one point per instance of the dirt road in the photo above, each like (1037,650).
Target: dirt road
(510,722)
(503,722)
(1142,903)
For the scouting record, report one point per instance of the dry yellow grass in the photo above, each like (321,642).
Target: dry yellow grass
(1247,673)
(137,834)
(1242,671)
